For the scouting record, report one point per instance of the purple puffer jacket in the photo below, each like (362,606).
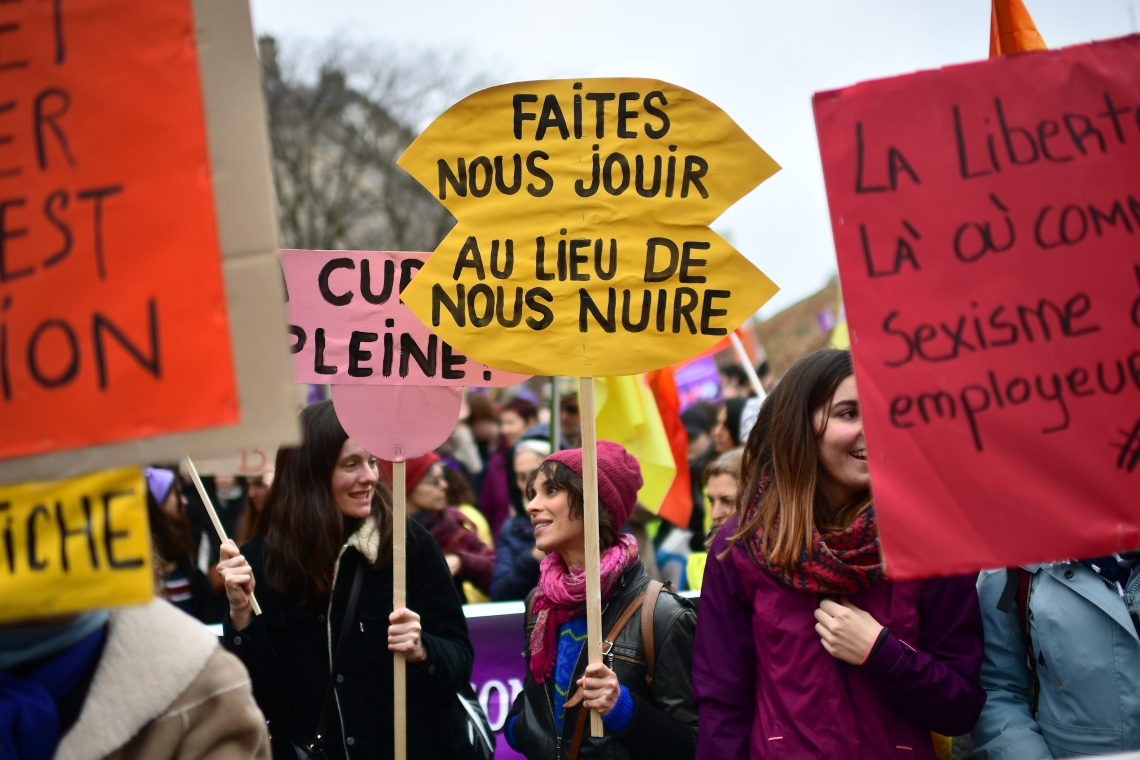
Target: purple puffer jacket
(766,688)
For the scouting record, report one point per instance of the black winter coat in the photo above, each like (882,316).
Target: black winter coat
(664,722)
(286,650)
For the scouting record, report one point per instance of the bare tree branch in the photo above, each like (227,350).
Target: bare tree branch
(339,118)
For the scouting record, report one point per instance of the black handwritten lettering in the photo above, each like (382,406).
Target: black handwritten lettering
(110,535)
(97,194)
(103,325)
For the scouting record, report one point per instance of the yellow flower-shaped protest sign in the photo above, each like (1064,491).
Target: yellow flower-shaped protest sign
(583,246)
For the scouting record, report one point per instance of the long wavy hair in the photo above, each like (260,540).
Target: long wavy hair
(304,531)
(782,456)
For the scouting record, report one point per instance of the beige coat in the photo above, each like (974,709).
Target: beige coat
(164,689)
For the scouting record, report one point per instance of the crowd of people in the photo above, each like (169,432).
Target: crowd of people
(798,646)
(470,495)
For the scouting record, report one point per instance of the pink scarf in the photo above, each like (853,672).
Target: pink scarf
(561,596)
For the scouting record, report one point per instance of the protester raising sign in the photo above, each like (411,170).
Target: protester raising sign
(396,387)
(986,220)
(582,246)
(598,262)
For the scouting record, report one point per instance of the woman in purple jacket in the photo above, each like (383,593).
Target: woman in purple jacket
(803,648)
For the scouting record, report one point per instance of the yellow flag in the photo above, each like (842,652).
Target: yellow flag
(627,414)
(840,336)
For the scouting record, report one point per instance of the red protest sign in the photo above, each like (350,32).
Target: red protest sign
(112,312)
(349,326)
(987,221)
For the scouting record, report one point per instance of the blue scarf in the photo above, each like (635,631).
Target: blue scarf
(29,721)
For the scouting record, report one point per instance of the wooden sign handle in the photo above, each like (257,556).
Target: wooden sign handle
(399,601)
(214,518)
(590,517)
(749,370)
(555,416)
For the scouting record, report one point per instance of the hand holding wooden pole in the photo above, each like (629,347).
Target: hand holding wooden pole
(214,518)
(399,602)
(590,517)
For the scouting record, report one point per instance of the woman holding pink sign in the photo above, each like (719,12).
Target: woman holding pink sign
(804,648)
(322,568)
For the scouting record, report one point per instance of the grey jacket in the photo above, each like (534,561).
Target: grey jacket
(1088,667)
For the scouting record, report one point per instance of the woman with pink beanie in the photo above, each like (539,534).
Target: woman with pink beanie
(642,689)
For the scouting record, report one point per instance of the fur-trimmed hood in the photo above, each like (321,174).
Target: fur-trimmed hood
(152,654)
(365,540)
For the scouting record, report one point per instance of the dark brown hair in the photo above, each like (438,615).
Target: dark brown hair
(565,478)
(480,409)
(783,452)
(171,534)
(304,530)
(458,490)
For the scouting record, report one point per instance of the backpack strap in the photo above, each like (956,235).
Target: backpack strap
(608,642)
(342,642)
(607,647)
(1018,584)
(647,640)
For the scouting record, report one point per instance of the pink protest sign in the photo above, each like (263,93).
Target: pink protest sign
(397,422)
(350,327)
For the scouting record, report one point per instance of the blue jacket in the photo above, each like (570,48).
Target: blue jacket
(516,569)
(1088,667)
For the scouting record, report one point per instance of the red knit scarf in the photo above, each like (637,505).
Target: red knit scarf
(838,563)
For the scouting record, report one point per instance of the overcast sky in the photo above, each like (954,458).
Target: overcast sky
(759,60)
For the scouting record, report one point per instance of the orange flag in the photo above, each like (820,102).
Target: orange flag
(1012,29)
(677,507)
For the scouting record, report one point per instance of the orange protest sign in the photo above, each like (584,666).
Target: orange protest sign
(112,310)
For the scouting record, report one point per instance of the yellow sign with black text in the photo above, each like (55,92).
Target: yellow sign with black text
(583,246)
(72,545)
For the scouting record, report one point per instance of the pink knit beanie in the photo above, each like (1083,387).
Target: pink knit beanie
(619,477)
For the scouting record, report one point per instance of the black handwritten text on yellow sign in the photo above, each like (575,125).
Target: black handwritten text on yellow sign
(583,245)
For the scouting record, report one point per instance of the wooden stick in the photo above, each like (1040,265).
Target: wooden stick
(555,416)
(214,518)
(590,517)
(748,368)
(399,602)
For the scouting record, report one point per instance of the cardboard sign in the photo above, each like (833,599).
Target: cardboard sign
(107,47)
(349,326)
(114,318)
(252,461)
(987,221)
(73,545)
(397,422)
(582,246)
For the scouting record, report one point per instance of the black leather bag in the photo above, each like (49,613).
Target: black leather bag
(476,740)
(315,750)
